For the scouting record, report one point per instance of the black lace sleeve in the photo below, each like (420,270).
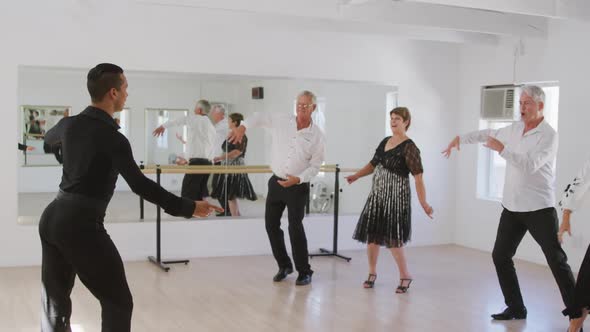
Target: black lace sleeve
(413,160)
(242,146)
(378,156)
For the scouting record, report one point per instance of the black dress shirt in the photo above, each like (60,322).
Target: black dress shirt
(94,153)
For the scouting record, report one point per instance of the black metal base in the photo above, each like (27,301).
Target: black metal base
(326,252)
(163,264)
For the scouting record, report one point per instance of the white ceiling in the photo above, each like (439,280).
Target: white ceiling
(474,21)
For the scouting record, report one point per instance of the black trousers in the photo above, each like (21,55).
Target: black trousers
(223,201)
(294,199)
(582,292)
(74,242)
(543,226)
(194,186)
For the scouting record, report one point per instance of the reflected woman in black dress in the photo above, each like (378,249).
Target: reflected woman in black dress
(386,217)
(233,186)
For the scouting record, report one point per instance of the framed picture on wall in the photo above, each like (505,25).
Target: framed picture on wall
(37,120)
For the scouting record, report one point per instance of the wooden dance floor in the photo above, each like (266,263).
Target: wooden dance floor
(454,289)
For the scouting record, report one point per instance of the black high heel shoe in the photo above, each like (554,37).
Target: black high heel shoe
(401,289)
(370,282)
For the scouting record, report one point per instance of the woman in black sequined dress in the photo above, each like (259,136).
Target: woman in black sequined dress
(386,217)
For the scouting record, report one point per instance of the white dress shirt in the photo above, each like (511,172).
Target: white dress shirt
(294,152)
(575,190)
(221,132)
(200,135)
(529,184)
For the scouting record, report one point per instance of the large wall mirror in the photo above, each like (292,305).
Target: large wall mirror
(353,116)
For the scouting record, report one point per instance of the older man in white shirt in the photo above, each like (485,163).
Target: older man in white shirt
(297,153)
(529,148)
(199,147)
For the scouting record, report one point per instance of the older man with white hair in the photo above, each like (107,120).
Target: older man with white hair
(297,152)
(529,148)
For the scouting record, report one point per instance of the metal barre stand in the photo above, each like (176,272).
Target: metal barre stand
(141,167)
(157,260)
(323,252)
(334,251)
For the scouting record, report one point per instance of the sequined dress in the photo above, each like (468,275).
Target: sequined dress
(386,219)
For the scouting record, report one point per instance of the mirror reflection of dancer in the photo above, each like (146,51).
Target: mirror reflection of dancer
(529,148)
(386,219)
(199,147)
(221,131)
(73,238)
(230,187)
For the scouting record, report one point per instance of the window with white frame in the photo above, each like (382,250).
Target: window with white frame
(491,166)
(390,104)
(122,119)
(162,149)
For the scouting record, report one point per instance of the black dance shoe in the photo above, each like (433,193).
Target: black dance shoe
(304,279)
(282,274)
(509,314)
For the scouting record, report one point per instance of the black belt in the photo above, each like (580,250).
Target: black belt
(199,160)
(282,179)
(96,204)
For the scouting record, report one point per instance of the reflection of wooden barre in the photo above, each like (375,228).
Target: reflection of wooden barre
(35,135)
(209,167)
(221,169)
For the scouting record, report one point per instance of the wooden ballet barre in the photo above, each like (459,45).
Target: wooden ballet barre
(207,170)
(163,167)
(223,169)
(323,168)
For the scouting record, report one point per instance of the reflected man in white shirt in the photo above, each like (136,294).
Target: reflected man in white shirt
(221,128)
(529,148)
(221,131)
(199,147)
(297,153)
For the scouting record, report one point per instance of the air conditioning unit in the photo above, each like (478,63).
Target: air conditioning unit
(499,103)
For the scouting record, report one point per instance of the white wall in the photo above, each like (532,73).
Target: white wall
(138,37)
(563,58)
